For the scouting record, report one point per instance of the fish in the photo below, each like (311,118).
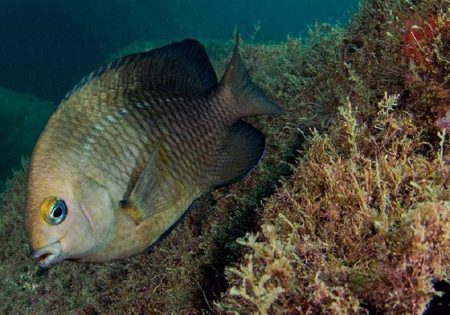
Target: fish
(133,145)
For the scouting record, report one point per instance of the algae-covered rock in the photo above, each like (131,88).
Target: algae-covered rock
(363,225)
(22,118)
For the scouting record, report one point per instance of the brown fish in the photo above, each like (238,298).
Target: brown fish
(133,145)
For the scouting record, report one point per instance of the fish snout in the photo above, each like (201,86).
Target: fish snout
(48,255)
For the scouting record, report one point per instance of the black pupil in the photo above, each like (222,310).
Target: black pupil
(57,212)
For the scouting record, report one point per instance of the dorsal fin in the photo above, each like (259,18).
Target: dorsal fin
(178,67)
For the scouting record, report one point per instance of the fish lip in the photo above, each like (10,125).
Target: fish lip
(48,255)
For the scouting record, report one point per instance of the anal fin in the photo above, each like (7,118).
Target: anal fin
(240,151)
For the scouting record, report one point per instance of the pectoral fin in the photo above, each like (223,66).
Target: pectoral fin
(155,191)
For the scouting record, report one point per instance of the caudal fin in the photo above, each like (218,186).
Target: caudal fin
(250,99)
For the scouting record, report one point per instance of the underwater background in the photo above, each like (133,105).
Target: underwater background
(48,46)
(347,213)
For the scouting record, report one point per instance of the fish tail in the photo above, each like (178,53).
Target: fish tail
(250,99)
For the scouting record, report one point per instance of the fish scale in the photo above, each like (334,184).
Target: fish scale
(116,134)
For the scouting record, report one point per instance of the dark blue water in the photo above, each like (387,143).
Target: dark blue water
(48,45)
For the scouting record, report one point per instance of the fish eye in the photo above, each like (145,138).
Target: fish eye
(53,210)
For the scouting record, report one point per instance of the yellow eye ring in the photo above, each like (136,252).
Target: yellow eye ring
(53,210)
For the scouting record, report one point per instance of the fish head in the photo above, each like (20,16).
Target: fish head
(63,220)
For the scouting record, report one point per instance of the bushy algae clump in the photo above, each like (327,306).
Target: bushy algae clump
(360,222)
(363,224)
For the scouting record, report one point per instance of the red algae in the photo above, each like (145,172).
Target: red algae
(419,37)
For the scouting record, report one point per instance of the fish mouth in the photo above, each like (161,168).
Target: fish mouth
(48,255)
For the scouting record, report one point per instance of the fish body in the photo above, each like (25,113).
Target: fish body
(132,146)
